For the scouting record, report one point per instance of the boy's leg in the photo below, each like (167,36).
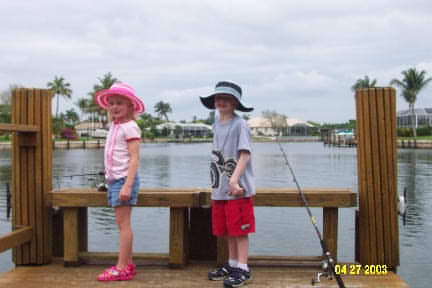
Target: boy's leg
(220,230)
(242,243)
(123,216)
(241,222)
(233,258)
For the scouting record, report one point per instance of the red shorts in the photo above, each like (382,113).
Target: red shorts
(233,217)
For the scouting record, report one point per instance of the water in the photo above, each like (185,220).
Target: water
(280,231)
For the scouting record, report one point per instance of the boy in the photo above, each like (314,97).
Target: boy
(233,183)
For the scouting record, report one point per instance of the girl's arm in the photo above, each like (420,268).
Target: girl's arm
(133,148)
(236,190)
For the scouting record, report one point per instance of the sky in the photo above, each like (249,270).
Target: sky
(298,57)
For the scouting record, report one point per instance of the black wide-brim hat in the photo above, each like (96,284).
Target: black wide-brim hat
(224,88)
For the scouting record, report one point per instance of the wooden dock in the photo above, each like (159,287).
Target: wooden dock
(194,275)
(50,246)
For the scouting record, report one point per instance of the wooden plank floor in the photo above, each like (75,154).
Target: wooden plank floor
(194,275)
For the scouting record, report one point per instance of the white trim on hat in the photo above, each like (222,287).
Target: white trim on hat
(227,90)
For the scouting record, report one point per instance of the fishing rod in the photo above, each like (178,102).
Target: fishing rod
(330,261)
(101,173)
(102,187)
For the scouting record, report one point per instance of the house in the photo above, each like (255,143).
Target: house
(88,128)
(261,126)
(420,117)
(187,129)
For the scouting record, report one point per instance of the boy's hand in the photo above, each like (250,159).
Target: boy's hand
(125,193)
(236,189)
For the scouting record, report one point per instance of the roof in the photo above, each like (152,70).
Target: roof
(191,126)
(88,125)
(418,111)
(262,122)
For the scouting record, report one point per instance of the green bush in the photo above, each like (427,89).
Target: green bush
(424,131)
(147,134)
(404,132)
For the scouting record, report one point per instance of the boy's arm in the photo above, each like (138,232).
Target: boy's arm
(133,148)
(236,190)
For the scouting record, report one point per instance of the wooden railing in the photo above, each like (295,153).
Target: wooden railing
(377,234)
(187,216)
(31,177)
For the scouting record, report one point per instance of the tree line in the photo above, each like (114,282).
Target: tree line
(411,84)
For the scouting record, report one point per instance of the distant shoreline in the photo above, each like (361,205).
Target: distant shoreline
(99,144)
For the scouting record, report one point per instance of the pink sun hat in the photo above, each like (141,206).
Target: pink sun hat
(122,89)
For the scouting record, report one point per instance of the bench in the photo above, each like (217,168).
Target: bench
(74,202)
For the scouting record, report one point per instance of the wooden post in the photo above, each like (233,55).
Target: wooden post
(31,173)
(71,232)
(178,239)
(202,242)
(378,239)
(222,251)
(330,233)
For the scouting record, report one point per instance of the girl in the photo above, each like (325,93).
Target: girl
(121,165)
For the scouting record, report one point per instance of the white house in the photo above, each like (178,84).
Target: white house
(188,129)
(420,117)
(261,126)
(88,128)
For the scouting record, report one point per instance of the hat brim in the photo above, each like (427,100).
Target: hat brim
(209,103)
(102,96)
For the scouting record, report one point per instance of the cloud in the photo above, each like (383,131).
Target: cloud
(298,57)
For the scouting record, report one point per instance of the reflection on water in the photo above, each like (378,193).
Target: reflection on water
(104,219)
(280,231)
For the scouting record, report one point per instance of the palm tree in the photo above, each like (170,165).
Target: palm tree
(162,109)
(412,83)
(83,105)
(364,83)
(71,116)
(104,83)
(60,88)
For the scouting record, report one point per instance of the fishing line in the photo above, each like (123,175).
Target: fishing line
(324,246)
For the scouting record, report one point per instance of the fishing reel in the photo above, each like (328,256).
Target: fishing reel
(325,272)
(102,187)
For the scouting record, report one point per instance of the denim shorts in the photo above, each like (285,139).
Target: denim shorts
(114,188)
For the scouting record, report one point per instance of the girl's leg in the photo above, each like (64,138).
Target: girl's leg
(123,217)
(130,261)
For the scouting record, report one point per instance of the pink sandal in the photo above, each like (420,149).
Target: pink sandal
(115,274)
(132,269)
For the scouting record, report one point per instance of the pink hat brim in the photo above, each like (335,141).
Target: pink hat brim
(101,98)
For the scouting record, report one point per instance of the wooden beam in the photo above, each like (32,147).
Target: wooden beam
(330,230)
(71,236)
(285,260)
(16,238)
(86,197)
(178,237)
(102,257)
(289,197)
(181,197)
(19,128)
(222,251)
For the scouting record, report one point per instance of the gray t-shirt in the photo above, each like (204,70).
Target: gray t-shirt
(229,138)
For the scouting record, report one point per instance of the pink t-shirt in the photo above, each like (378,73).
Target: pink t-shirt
(116,148)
